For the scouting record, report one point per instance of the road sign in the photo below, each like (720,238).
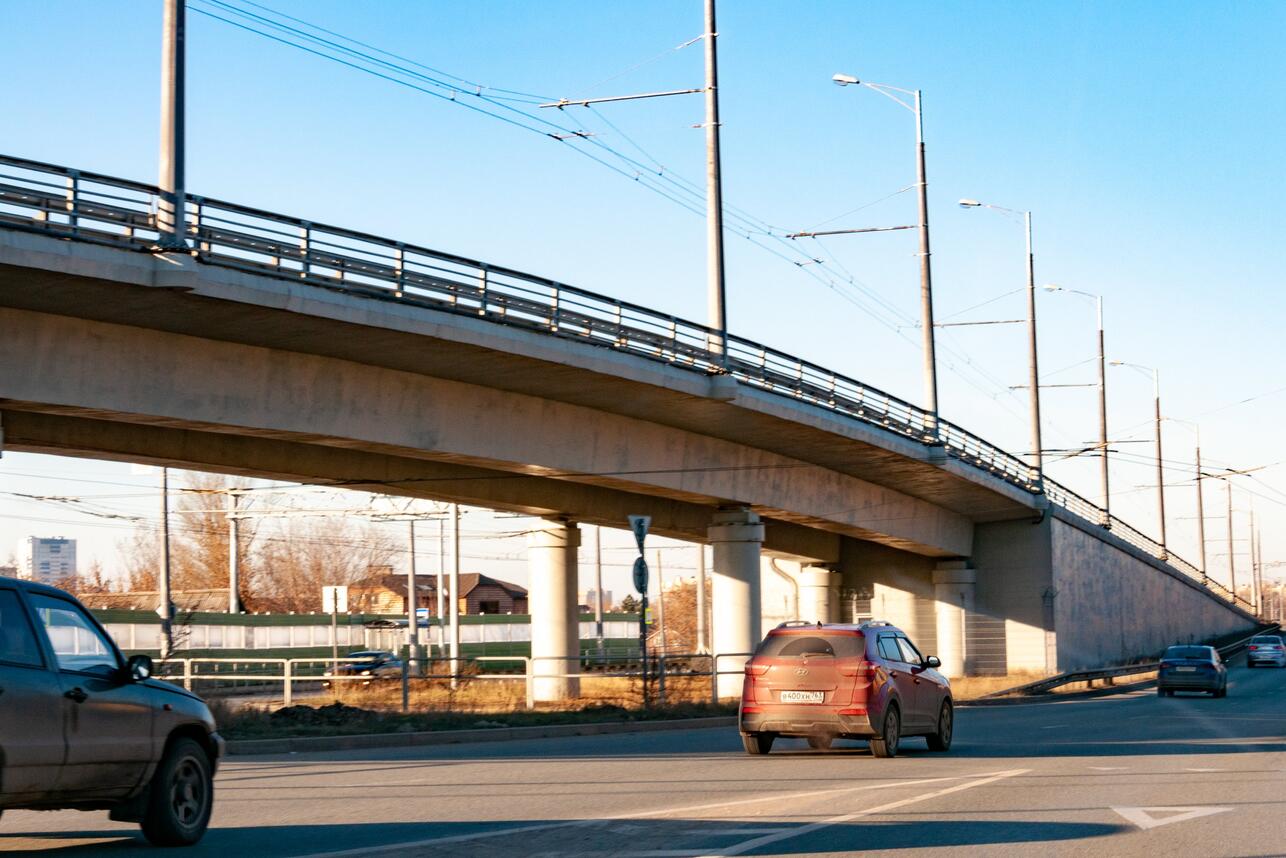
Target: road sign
(640,575)
(335,600)
(639,524)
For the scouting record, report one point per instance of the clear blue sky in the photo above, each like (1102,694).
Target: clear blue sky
(1145,137)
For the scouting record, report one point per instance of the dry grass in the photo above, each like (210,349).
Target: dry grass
(973,687)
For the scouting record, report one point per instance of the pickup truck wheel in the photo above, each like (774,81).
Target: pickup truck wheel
(182,796)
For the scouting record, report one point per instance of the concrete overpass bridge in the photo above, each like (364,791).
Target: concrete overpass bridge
(285,349)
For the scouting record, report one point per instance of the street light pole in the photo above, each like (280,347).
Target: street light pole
(1102,403)
(1033,370)
(234,555)
(716,295)
(1232,565)
(171,215)
(165,608)
(926,268)
(1156,399)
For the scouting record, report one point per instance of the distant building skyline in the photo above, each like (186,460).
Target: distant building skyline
(47,558)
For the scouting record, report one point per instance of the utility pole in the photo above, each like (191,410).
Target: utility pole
(234,555)
(442,569)
(165,608)
(660,600)
(716,295)
(1232,565)
(1102,420)
(412,617)
(1201,512)
(171,218)
(926,281)
(453,605)
(1254,566)
(1156,399)
(1033,373)
(598,587)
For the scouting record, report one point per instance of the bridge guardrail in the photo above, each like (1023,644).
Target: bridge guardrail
(1042,686)
(47,198)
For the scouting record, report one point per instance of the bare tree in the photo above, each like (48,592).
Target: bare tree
(304,555)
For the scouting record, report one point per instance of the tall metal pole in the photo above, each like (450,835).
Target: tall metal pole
(164,608)
(1033,372)
(716,296)
(701,598)
(234,555)
(1156,399)
(1201,512)
(453,605)
(926,281)
(1232,565)
(171,182)
(412,618)
(1102,420)
(442,569)
(1254,566)
(598,588)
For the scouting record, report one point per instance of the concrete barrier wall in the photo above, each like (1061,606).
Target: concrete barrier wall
(1013,628)
(1113,605)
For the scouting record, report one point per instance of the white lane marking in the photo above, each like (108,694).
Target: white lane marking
(1205,770)
(728,832)
(1108,768)
(748,845)
(571,823)
(1142,816)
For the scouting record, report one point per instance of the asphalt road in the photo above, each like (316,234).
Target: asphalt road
(1131,774)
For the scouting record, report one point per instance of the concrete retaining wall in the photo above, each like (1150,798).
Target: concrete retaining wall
(1113,603)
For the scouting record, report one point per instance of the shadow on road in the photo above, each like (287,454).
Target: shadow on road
(554,837)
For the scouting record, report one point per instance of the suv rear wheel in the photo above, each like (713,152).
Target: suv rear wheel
(182,796)
(941,740)
(757,743)
(890,734)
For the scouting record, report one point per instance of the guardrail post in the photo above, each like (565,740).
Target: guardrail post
(482,289)
(287,695)
(555,309)
(187,673)
(399,268)
(527,681)
(73,200)
(305,248)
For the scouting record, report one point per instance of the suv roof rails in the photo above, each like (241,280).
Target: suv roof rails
(798,624)
(874,623)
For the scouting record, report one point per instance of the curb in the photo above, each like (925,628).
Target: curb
(301,744)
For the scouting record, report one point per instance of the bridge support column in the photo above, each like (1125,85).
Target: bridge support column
(736,537)
(555,625)
(819,594)
(953,591)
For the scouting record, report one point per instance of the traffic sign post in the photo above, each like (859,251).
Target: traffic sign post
(639,524)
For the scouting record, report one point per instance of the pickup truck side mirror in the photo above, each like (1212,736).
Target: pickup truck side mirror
(932,661)
(139,667)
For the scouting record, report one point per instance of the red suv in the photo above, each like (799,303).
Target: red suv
(820,682)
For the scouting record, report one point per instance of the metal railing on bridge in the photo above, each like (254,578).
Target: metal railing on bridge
(92,207)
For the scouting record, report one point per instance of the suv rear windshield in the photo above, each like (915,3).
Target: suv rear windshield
(1202,652)
(796,644)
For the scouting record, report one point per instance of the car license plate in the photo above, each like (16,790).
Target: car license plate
(803,696)
(1186,669)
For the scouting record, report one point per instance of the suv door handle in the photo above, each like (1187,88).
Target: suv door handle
(76,694)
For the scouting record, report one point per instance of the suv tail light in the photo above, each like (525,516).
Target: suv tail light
(854,667)
(756,669)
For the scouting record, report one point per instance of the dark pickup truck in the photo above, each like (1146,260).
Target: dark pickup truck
(82,727)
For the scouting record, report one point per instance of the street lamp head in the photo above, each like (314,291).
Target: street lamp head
(969,204)
(1117,362)
(845,79)
(1052,287)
